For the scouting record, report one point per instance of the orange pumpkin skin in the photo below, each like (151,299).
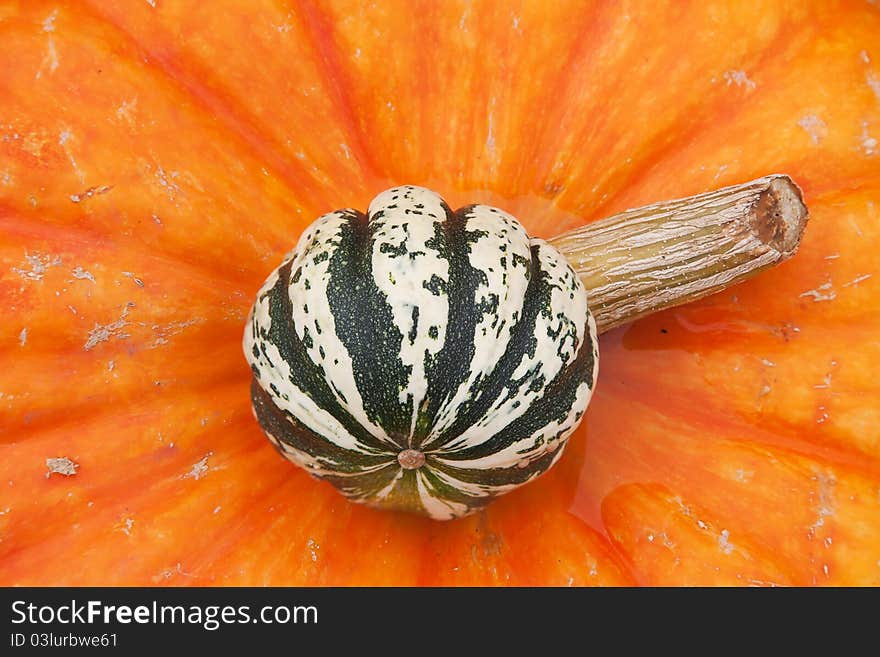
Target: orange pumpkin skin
(156,159)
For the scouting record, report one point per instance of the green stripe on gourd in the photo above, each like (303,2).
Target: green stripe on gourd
(421,359)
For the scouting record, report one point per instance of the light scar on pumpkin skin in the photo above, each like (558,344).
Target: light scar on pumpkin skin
(90,192)
(61,465)
(825,508)
(167,182)
(103,332)
(855,226)
(871,77)
(125,525)
(721,169)
(824,292)
(744,476)
(35,266)
(814,126)
(740,79)
(199,469)
(166,331)
(137,281)
(825,505)
(125,110)
(118,329)
(490,132)
(722,536)
(653,535)
(50,60)
(82,274)
(168,573)
(64,138)
(868,143)
(874,83)
(313,548)
(857,280)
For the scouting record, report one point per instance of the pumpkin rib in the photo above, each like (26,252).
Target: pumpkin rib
(503,103)
(831,157)
(88,404)
(98,386)
(555,494)
(451,99)
(340,87)
(151,458)
(328,59)
(868,185)
(230,187)
(33,225)
(233,117)
(498,547)
(27,228)
(813,407)
(720,426)
(291,551)
(586,47)
(154,500)
(811,499)
(39,442)
(61,335)
(702,115)
(225,540)
(579,140)
(237,118)
(662,513)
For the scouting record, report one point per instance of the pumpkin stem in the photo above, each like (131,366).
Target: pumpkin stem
(666,254)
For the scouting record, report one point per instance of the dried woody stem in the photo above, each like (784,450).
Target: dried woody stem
(666,254)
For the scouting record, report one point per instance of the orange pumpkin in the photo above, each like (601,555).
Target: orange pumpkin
(157,158)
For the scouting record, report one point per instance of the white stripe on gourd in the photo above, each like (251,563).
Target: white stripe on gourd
(405,219)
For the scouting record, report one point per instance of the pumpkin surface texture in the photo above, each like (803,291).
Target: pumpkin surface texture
(159,158)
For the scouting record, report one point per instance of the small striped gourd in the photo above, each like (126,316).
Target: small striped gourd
(421,359)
